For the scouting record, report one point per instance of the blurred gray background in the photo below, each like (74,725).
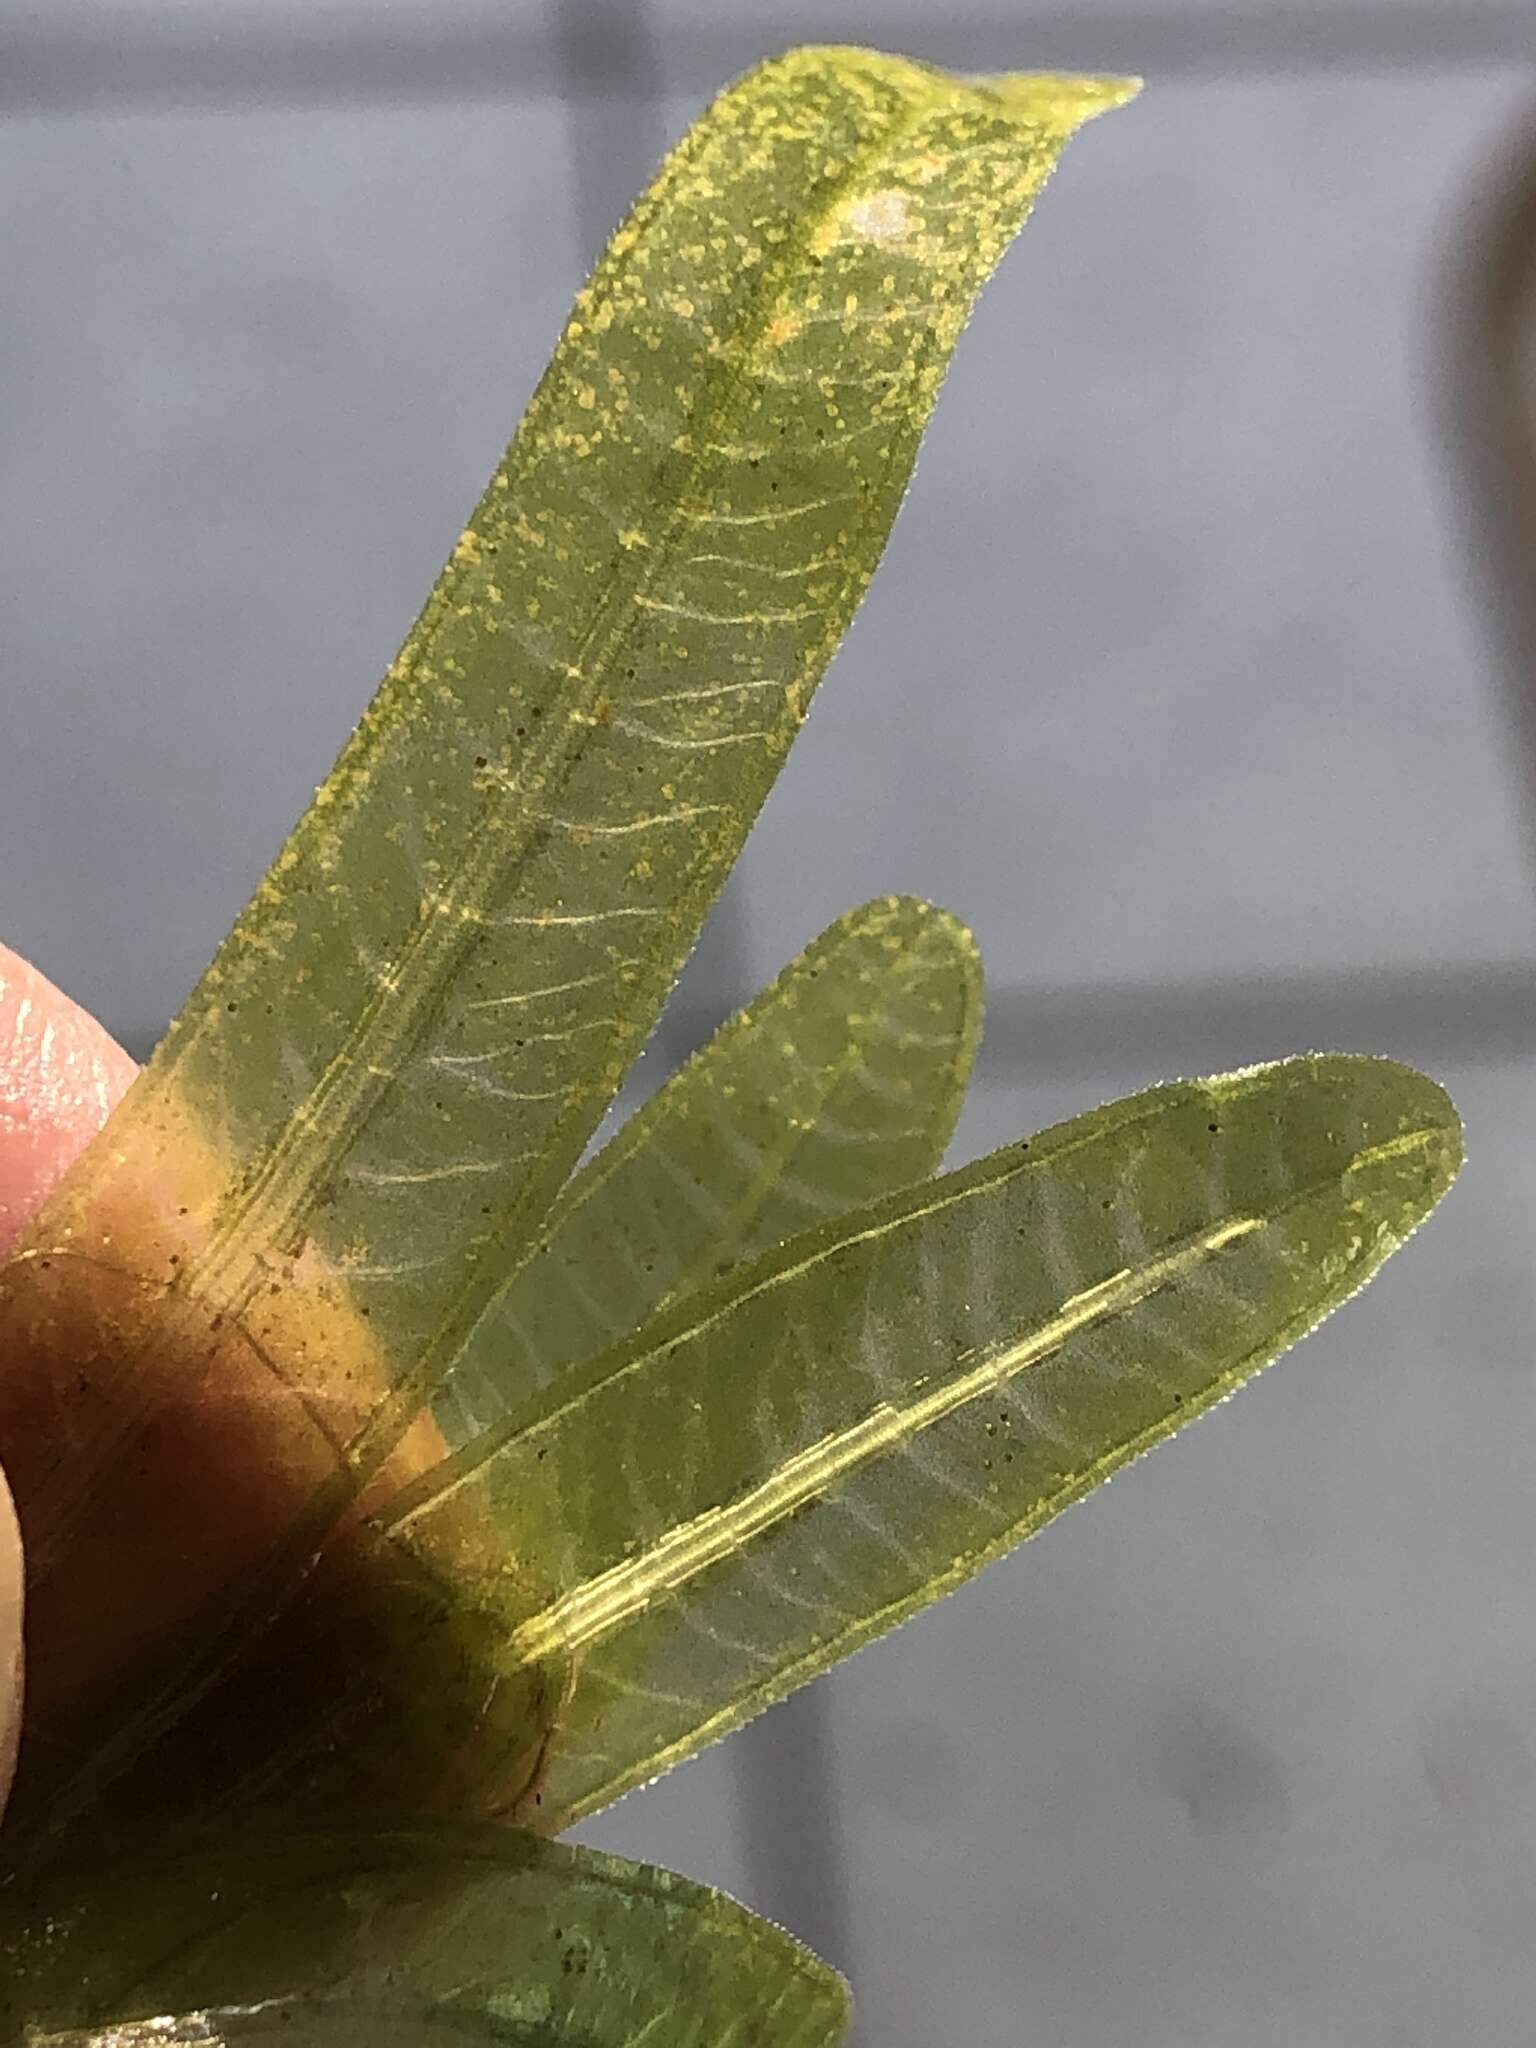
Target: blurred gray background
(1193,680)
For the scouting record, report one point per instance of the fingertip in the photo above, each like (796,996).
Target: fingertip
(10,1639)
(61,1075)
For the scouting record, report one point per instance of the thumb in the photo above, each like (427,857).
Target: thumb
(10,1639)
(60,1077)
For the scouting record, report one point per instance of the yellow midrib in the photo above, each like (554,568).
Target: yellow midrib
(602,1604)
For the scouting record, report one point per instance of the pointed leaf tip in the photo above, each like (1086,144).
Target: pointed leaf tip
(840,1083)
(1058,101)
(1062,96)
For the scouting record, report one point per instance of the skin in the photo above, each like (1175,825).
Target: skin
(190,1507)
(60,1077)
(10,1640)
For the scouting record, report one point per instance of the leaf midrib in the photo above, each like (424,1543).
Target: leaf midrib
(295,1162)
(652,1763)
(361,1075)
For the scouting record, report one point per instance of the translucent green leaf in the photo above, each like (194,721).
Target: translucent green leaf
(231,1317)
(233,1313)
(409,1938)
(840,1083)
(783,1465)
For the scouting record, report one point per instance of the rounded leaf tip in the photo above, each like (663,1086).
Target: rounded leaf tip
(1406,1134)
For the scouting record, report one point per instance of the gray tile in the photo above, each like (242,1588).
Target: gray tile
(747,1817)
(73,54)
(93,53)
(1241,1751)
(116,20)
(256,370)
(1163,38)
(795,20)
(688,1821)
(1171,671)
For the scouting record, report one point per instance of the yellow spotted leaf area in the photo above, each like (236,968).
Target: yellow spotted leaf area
(384,1470)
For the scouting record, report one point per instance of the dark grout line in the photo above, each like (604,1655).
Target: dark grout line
(1485,1012)
(158,68)
(791,1822)
(283,60)
(1486,415)
(1435,1015)
(1200,42)
(610,82)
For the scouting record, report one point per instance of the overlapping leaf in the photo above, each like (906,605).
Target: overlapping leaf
(231,1317)
(840,1083)
(778,1467)
(411,1938)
